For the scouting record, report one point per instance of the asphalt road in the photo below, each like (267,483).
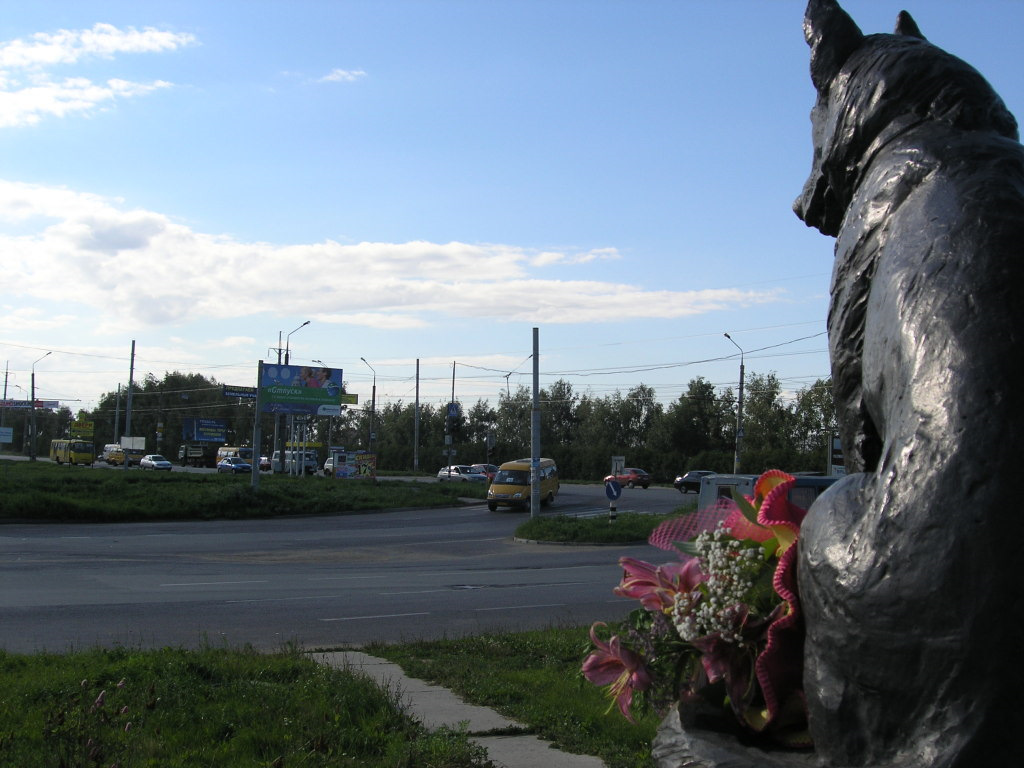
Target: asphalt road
(317,581)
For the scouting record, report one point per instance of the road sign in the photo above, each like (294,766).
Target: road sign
(612,489)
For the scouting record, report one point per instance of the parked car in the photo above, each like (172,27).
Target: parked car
(154,461)
(631,477)
(264,464)
(461,473)
(487,469)
(691,480)
(234,465)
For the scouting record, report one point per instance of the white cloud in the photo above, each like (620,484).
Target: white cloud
(28,92)
(67,46)
(232,341)
(82,248)
(342,76)
(557,257)
(392,322)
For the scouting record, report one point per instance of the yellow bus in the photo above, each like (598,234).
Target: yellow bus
(512,485)
(72,451)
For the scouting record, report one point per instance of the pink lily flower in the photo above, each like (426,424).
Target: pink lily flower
(779,667)
(619,668)
(774,510)
(656,586)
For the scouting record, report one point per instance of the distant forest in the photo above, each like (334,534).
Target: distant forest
(580,431)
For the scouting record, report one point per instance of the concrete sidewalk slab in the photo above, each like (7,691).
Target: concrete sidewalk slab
(438,707)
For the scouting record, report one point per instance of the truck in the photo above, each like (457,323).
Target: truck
(803,493)
(197,455)
(200,440)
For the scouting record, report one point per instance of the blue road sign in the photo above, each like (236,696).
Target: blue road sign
(612,489)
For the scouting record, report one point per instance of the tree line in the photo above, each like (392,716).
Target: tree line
(580,431)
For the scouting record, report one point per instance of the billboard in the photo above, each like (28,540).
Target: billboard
(355,466)
(204,430)
(300,389)
(50,405)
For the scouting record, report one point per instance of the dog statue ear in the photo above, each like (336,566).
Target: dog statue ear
(833,36)
(905,25)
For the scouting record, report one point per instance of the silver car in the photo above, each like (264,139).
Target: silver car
(154,461)
(461,472)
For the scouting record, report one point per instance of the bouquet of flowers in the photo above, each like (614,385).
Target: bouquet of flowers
(721,626)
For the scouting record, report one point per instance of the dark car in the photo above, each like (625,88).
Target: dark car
(234,465)
(691,480)
(632,477)
(486,469)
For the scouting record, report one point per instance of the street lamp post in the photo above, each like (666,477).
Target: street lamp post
(32,444)
(739,412)
(330,419)
(373,404)
(288,338)
(277,419)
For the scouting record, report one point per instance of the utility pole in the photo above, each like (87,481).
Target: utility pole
(535,430)
(373,407)
(128,406)
(739,413)
(7,370)
(452,411)
(32,445)
(416,423)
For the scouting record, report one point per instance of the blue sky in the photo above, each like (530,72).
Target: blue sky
(422,180)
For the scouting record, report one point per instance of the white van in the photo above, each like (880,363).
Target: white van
(296,461)
(108,449)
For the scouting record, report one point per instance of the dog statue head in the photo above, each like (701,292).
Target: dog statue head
(873,88)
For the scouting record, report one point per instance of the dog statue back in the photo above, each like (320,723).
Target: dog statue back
(911,573)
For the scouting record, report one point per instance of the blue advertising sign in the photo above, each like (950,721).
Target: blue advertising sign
(204,430)
(229,390)
(300,389)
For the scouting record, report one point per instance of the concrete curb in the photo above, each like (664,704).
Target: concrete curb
(437,707)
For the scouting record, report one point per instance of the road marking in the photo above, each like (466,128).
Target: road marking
(214,583)
(452,587)
(520,607)
(284,599)
(380,616)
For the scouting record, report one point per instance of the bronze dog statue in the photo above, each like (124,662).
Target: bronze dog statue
(910,567)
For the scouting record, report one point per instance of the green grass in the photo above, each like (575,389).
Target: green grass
(627,528)
(533,678)
(212,707)
(40,491)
